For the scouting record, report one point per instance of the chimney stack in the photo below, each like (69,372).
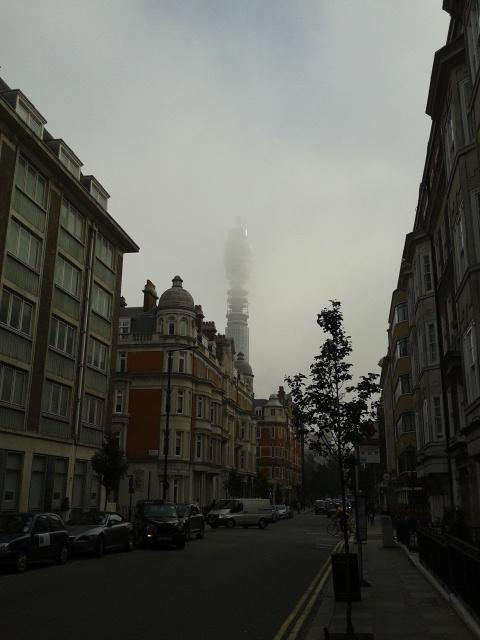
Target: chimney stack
(149,296)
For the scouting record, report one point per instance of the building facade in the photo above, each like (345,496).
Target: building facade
(440,275)
(211,427)
(61,259)
(279,450)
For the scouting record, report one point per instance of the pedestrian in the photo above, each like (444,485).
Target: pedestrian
(65,509)
(371,513)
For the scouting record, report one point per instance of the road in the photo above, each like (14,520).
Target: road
(235,584)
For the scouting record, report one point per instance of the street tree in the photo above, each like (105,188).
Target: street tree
(110,464)
(334,413)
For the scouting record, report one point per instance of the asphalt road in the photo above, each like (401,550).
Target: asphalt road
(233,584)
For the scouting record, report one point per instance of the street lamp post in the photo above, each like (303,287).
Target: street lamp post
(166,443)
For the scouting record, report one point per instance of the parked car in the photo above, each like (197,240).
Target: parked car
(157,522)
(242,511)
(32,537)
(95,532)
(193,520)
(284,511)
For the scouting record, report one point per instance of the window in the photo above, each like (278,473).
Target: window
(427,273)
(432,342)
(401,313)
(272,433)
(470,363)
(200,406)
(438,417)
(406,423)
(69,162)
(180,399)
(122,361)
(449,141)
(11,483)
(119,395)
(178,442)
(242,431)
(472,33)
(62,336)
(402,348)
(403,386)
(56,399)
(99,195)
(183,327)
(257,433)
(198,446)
(465,90)
(407,461)
(97,354)
(124,326)
(30,119)
(101,301)
(93,409)
(16,312)
(210,449)
(171,327)
(23,244)
(67,276)
(181,362)
(29,180)
(104,250)
(242,459)
(71,220)
(12,385)
(272,412)
(425,422)
(459,241)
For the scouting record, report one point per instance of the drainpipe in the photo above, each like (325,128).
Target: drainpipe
(83,333)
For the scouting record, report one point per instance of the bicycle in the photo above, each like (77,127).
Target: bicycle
(337,527)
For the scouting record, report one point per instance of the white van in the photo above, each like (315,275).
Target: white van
(244,512)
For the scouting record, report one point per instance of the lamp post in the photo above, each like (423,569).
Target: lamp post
(166,443)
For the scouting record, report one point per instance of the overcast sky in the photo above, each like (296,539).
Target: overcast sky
(304,117)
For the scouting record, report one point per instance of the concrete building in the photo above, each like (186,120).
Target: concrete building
(278,447)
(211,414)
(237,267)
(61,259)
(441,276)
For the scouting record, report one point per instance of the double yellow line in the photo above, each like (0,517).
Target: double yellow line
(303,607)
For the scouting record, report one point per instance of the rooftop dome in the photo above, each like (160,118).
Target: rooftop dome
(273,401)
(175,297)
(242,365)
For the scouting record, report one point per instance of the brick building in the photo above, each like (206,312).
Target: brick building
(61,259)
(278,448)
(211,424)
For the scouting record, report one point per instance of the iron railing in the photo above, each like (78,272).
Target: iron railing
(454,562)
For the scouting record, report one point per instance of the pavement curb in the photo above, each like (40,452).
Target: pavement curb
(459,608)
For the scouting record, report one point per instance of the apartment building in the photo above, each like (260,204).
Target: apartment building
(60,273)
(211,426)
(279,455)
(440,274)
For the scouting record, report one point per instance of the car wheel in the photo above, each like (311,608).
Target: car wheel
(21,563)
(63,555)
(180,544)
(262,523)
(100,547)
(201,533)
(230,523)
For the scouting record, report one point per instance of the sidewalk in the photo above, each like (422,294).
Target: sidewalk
(400,604)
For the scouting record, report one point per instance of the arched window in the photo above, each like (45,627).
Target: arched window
(183,327)
(160,325)
(171,326)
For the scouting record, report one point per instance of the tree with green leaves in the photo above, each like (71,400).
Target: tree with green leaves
(334,413)
(110,464)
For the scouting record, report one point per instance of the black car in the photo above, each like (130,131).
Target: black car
(32,537)
(193,520)
(95,532)
(157,522)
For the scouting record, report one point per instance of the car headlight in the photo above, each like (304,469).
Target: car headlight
(4,547)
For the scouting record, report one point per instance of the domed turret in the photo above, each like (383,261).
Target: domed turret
(176,297)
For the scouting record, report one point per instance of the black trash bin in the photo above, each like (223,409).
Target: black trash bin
(339,575)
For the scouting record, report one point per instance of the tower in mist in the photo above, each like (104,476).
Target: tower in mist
(237,267)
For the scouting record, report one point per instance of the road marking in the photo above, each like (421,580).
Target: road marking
(310,594)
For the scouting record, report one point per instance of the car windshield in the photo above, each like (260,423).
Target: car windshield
(181,509)
(160,511)
(15,523)
(93,518)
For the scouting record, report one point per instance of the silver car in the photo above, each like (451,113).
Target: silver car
(95,532)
